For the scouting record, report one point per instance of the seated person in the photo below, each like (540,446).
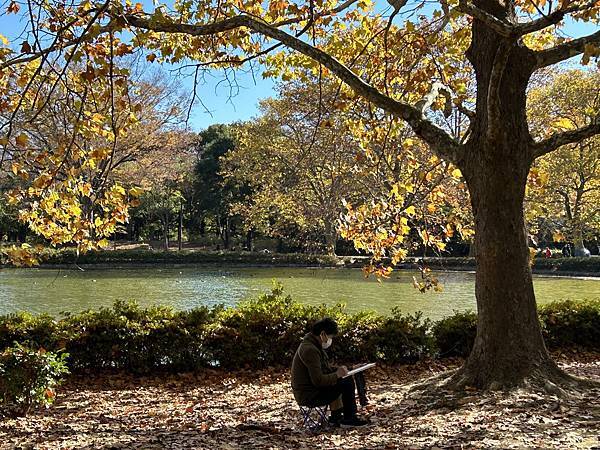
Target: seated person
(316,383)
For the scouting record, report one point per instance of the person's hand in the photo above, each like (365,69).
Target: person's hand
(342,371)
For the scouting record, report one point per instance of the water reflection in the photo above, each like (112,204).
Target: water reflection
(52,291)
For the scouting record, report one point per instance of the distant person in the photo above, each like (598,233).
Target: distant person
(316,383)
(547,253)
(566,250)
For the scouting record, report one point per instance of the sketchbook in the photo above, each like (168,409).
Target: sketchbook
(360,369)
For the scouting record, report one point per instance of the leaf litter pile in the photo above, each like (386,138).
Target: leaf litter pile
(255,410)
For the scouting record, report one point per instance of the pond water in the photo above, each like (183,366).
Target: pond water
(53,290)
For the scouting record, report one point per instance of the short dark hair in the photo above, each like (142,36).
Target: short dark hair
(327,325)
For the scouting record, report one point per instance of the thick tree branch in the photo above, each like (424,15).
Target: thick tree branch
(567,137)
(440,141)
(565,51)
(510,30)
(499,26)
(494,124)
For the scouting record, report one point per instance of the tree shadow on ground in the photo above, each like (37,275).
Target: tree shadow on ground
(240,412)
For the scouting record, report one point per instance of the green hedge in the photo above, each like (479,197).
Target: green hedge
(144,256)
(263,332)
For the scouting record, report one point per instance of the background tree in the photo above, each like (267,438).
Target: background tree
(567,194)
(297,158)
(213,194)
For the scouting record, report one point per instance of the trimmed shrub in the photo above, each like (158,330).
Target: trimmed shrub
(571,324)
(455,335)
(28,378)
(137,340)
(40,330)
(144,256)
(395,339)
(264,332)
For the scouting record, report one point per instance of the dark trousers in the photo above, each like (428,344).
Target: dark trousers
(345,388)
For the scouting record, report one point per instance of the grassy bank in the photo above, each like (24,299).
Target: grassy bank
(143,257)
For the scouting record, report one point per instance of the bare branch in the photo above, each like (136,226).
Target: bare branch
(440,141)
(553,18)
(565,51)
(567,137)
(436,89)
(466,111)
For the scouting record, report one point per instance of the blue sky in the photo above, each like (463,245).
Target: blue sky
(216,96)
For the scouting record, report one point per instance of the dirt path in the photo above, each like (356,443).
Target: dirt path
(215,410)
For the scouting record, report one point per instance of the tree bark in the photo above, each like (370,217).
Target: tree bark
(509,349)
(330,237)
(250,240)
(180,227)
(166,232)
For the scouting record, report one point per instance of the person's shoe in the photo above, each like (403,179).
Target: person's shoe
(335,419)
(354,422)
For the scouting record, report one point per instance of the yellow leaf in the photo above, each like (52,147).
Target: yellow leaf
(136,191)
(456,173)
(3,39)
(103,243)
(22,140)
(563,123)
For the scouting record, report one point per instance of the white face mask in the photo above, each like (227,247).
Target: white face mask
(327,344)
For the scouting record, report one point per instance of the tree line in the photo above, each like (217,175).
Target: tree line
(298,178)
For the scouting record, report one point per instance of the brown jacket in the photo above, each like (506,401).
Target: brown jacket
(311,370)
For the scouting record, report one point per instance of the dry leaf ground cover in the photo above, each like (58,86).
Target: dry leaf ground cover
(255,410)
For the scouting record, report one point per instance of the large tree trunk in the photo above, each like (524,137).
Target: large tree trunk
(509,349)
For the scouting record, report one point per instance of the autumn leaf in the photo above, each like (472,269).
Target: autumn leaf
(13,8)
(25,47)
(456,173)
(564,123)
(22,140)
(136,191)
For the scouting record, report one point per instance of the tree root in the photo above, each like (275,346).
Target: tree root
(548,380)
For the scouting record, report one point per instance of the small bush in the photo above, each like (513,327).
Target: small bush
(571,324)
(455,335)
(28,378)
